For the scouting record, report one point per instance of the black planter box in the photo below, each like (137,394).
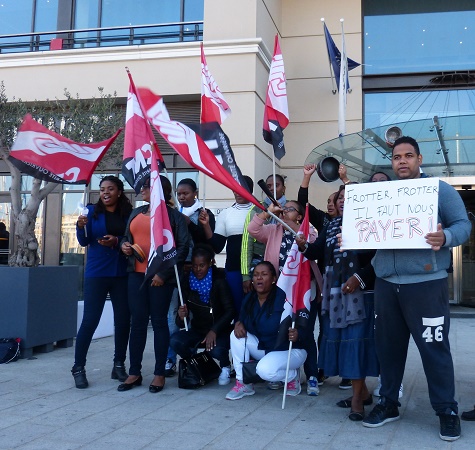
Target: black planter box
(39,305)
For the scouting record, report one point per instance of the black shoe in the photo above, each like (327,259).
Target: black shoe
(118,372)
(469,415)
(79,374)
(356,416)
(170,368)
(347,402)
(381,414)
(449,427)
(345,384)
(155,389)
(128,386)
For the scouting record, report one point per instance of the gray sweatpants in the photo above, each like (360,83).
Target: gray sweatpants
(420,310)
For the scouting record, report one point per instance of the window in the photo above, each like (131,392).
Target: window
(49,16)
(422,36)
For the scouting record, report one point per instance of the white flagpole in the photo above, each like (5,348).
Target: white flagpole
(343,85)
(273,171)
(287,371)
(282,222)
(203,202)
(84,208)
(180,294)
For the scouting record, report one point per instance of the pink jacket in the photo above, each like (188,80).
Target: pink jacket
(271,235)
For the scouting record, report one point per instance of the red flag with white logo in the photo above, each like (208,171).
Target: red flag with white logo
(139,143)
(163,252)
(189,145)
(295,280)
(276,110)
(48,156)
(214,107)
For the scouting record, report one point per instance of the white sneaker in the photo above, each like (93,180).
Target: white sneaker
(376,391)
(224,377)
(312,387)
(294,387)
(240,390)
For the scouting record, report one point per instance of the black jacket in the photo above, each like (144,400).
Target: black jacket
(180,234)
(216,315)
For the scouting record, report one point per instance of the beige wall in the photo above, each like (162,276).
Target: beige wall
(239,40)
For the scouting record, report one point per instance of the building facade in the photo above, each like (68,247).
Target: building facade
(47,45)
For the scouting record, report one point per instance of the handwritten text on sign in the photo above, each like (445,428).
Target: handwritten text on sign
(392,214)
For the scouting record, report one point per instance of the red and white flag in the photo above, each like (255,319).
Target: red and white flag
(163,252)
(139,143)
(48,156)
(214,107)
(189,145)
(295,281)
(276,110)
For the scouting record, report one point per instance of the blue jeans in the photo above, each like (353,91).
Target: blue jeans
(148,302)
(184,343)
(95,293)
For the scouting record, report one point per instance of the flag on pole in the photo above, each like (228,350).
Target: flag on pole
(163,252)
(139,143)
(218,142)
(276,110)
(190,146)
(46,155)
(335,58)
(295,280)
(214,107)
(343,86)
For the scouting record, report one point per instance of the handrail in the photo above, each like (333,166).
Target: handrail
(33,41)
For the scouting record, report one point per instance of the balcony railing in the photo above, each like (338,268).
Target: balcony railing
(102,37)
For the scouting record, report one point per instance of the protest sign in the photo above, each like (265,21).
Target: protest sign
(392,214)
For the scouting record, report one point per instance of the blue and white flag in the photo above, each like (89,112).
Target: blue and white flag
(335,58)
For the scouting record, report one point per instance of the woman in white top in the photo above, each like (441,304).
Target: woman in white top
(228,231)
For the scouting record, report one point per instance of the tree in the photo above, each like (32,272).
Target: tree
(82,120)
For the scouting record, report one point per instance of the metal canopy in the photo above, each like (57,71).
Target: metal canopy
(447,146)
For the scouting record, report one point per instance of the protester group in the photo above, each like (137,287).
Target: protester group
(368,302)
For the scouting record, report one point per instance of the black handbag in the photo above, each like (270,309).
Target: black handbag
(197,371)
(249,374)
(9,350)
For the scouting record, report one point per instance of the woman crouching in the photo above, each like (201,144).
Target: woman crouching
(207,296)
(255,336)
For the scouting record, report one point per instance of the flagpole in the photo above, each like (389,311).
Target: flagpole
(329,61)
(204,192)
(287,370)
(273,172)
(342,91)
(84,207)
(287,227)
(180,294)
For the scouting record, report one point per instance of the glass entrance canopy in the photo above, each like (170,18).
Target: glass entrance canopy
(447,146)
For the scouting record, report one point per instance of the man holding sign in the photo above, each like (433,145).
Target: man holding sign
(411,298)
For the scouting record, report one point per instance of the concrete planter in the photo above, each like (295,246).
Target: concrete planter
(39,305)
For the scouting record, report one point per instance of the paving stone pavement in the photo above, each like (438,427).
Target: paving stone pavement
(41,409)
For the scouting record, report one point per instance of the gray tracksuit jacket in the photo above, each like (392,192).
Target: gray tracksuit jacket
(408,266)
